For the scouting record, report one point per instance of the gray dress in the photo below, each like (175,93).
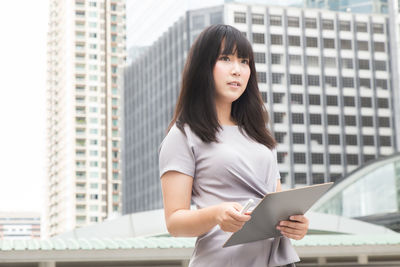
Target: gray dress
(233,170)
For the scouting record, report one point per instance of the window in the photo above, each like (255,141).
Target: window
(264,96)
(317,138)
(315,119)
(318,178)
(279,137)
(351,139)
(261,77)
(311,23)
(383,103)
(363,64)
(296,79)
(297,99)
(300,178)
(311,42)
(335,159)
(317,158)
(344,26)
(198,22)
(329,43)
(277,97)
(350,120)
(258,38)
(327,24)
(295,60)
(293,22)
(216,18)
(281,156)
(259,57)
(362,45)
(384,122)
(345,44)
(333,120)
(367,121)
(297,118)
(294,40)
(278,117)
(352,159)
(381,83)
(365,83)
(368,140)
(299,158)
(379,47)
(314,100)
(276,39)
(330,62)
(312,61)
(275,20)
(368,157)
(385,141)
(313,80)
(361,27)
(277,78)
(348,82)
(377,28)
(276,59)
(366,102)
(298,138)
(380,65)
(240,17)
(349,101)
(257,19)
(347,63)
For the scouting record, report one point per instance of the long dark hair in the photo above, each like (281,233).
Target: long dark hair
(196,103)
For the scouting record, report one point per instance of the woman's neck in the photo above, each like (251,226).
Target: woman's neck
(224,114)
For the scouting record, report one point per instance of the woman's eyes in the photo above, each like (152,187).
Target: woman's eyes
(226,58)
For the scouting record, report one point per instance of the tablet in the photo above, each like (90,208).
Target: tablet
(276,207)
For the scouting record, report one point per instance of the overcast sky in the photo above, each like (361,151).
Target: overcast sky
(23,27)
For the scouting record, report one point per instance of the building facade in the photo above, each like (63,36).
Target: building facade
(86,52)
(19,225)
(324,76)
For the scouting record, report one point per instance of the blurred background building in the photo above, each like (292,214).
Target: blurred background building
(19,225)
(325,78)
(86,52)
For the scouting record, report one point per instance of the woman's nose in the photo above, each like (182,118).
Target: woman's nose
(235,68)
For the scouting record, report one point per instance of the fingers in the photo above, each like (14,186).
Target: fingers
(296,228)
(239,217)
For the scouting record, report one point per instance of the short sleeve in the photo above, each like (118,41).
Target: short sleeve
(275,165)
(176,154)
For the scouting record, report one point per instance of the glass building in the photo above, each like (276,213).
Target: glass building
(370,193)
(354,6)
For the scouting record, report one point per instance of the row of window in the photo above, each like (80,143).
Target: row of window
(314,80)
(309,23)
(318,158)
(333,119)
(328,43)
(331,100)
(334,139)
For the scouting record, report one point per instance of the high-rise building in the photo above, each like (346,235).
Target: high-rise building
(86,53)
(324,76)
(355,6)
(19,225)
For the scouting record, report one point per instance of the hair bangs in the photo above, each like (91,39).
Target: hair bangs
(235,42)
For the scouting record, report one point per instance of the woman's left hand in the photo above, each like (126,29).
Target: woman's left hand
(296,228)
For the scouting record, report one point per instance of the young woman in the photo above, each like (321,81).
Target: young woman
(218,153)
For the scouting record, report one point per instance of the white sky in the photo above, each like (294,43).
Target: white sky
(23,28)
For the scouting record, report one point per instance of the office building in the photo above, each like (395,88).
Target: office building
(19,225)
(324,76)
(86,53)
(354,6)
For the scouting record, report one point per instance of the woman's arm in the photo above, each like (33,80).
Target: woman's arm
(297,227)
(181,221)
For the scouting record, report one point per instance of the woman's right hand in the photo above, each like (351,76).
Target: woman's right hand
(229,218)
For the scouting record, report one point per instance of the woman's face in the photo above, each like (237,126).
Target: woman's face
(231,75)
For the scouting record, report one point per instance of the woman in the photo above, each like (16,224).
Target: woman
(218,153)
